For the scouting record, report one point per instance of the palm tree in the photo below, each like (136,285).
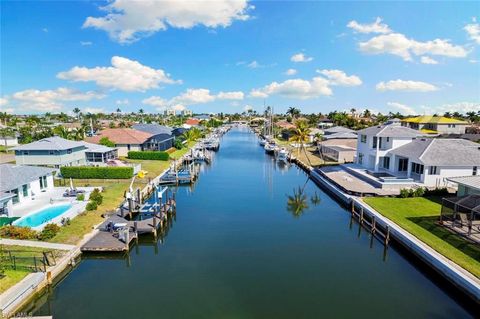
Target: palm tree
(353,110)
(192,135)
(62,132)
(367,113)
(77,112)
(301,134)
(294,112)
(297,203)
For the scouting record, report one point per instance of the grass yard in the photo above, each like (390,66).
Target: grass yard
(24,257)
(179,153)
(419,216)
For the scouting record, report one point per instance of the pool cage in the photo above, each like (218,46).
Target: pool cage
(462,214)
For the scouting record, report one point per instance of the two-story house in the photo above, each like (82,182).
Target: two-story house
(374,143)
(435,124)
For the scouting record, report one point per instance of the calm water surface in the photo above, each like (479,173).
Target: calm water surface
(238,250)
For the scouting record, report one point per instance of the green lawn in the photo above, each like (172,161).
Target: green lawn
(179,153)
(419,216)
(13,276)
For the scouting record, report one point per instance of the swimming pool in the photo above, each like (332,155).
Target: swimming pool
(42,216)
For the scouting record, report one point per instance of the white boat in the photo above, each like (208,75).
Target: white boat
(282,155)
(270,147)
(262,141)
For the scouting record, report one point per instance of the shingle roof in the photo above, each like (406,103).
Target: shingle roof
(346,135)
(14,176)
(390,131)
(97,148)
(53,143)
(441,152)
(338,129)
(121,136)
(470,181)
(154,129)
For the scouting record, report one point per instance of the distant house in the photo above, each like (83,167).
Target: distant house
(191,123)
(51,151)
(10,139)
(338,150)
(435,124)
(176,132)
(21,183)
(325,122)
(202,117)
(339,132)
(162,136)
(125,139)
(467,185)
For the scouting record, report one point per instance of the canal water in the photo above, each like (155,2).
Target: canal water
(253,239)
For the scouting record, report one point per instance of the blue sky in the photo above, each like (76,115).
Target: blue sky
(228,56)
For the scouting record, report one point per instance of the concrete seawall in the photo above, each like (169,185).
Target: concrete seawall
(459,277)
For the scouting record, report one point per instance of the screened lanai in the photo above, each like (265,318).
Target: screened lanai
(462,215)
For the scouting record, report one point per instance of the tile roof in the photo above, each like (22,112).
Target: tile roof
(390,131)
(121,136)
(441,152)
(192,122)
(54,143)
(470,181)
(14,176)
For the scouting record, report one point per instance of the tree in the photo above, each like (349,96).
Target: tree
(297,203)
(5,133)
(77,112)
(62,132)
(106,142)
(301,134)
(294,112)
(192,135)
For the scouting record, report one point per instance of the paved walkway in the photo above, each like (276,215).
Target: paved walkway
(40,244)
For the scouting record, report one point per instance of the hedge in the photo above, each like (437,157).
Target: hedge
(149,155)
(96,172)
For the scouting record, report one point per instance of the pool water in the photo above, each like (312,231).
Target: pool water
(42,216)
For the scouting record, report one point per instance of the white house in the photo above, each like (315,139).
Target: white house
(398,151)
(375,142)
(51,151)
(10,139)
(19,184)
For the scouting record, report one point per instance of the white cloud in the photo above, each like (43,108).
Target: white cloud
(234,95)
(300,57)
(122,102)
(338,77)
(473,61)
(51,100)
(86,43)
(461,107)
(193,96)
(399,45)
(94,110)
(3,101)
(473,31)
(295,88)
(375,27)
(402,85)
(428,60)
(128,21)
(124,74)
(402,108)
(254,65)
(291,72)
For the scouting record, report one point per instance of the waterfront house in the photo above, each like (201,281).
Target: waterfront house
(125,139)
(467,185)
(375,142)
(162,137)
(191,122)
(51,151)
(324,123)
(98,155)
(435,124)
(19,184)
(339,132)
(338,150)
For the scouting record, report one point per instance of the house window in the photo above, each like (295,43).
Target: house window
(360,158)
(25,190)
(363,138)
(51,152)
(25,152)
(69,151)
(386,162)
(374,142)
(128,147)
(417,168)
(433,170)
(388,139)
(475,170)
(403,164)
(15,198)
(43,182)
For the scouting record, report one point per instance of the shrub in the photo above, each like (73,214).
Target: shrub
(91,206)
(96,196)
(404,193)
(49,231)
(149,155)
(17,232)
(81,197)
(419,192)
(96,172)
(443,191)
(106,142)
(178,144)
(411,192)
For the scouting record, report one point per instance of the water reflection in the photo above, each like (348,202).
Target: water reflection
(297,203)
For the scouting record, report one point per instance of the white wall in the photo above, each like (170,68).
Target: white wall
(444,172)
(73,159)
